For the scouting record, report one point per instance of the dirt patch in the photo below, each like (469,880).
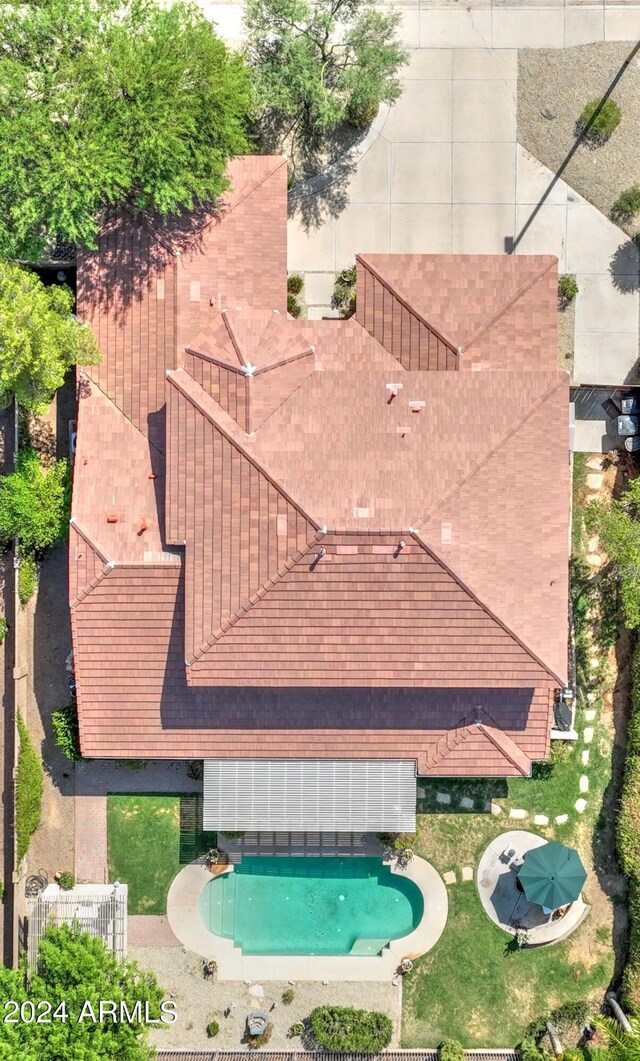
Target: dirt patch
(566,337)
(199,1001)
(559,83)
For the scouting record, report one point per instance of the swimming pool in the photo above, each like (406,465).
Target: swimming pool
(311,905)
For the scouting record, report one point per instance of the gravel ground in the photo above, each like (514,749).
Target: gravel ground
(199,1001)
(561,82)
(566,335)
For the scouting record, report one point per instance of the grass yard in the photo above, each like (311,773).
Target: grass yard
(474,986)
(150,838)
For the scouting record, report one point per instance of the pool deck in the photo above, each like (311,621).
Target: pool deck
(184,917)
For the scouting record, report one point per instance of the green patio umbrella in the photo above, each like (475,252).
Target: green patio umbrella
(552,875)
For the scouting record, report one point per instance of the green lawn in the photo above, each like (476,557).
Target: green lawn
(473,986)
(150,837)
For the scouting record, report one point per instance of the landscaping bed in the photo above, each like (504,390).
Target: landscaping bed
(559,83)
(150,838)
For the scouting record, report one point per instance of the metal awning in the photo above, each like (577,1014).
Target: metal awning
(280,795)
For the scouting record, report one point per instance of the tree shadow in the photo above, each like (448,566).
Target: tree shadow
(326,198)
(625,266)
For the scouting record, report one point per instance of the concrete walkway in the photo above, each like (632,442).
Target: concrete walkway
(447,175)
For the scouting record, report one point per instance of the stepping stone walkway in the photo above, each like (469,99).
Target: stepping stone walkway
(466,803)
(584,783)
(540,819)
(594,480)
(585,757)
(590,715)
(467,872)
(580,805)
(561,819)
(514,813)
(494,808)
(588,735)
(449,878)
(443,797)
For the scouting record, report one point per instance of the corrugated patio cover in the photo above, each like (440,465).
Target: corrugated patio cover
(310,794)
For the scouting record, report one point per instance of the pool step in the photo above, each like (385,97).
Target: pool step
(227,922)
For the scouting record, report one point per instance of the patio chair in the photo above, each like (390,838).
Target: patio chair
(508,855)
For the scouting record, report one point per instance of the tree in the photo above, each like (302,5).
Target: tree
(39,338)
(34,503)
(618,523)
(346,1030)
(622,1045)
(318,62)
(105,102)
(74,968)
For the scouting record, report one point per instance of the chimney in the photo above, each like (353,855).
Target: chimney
(143,526)
(393,390)
(112,517)
(416,406)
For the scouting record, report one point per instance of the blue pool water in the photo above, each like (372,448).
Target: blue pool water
(311,905)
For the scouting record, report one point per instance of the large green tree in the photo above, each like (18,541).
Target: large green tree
(39,338)
(318,62)
(34,503)
(110,101)
(75,968)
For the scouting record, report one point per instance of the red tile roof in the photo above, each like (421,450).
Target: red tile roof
(298,455)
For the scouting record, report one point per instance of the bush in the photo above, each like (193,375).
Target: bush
(212,1029)
(195,770)
(66,880)
(530,1051)
(451,1050)
(29,785)
(344,292)
(348,1030)
(254,1042)
(567,289)
(295,283)
(628,204)
(293,306)
(4,628)
(288,996)
(396,841)
(27,578)
(34,503)
(599,120)
(67,734)
(2,891)
(628,839)
(295,1029)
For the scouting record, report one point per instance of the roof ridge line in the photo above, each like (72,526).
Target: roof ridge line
(261,592)
(172,376)
(213,359)
(441,747)
(235,342)
(492,734)
(525,286)
(515,427)
(407,305)
(492,615)
(284,361)
(89,540)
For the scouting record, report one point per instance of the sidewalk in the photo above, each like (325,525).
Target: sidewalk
(447,175)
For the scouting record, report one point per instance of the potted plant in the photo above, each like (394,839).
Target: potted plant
(212,858)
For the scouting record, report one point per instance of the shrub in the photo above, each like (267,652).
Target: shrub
(293,306)
(212,1029)
(628,204)
(66,880)
(530,1051)
(67,734)
(396,841)
(27,578)
(4,628)
(288,996)
(295,283)
(195,770)
(34,503)
(599,119)
(348,1030)
(628,839)
(2,891)
(567,289)
(295,1029)
(344,292)
(451,1050)
(254,1042)
(29,785)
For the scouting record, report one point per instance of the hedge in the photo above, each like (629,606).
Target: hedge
(629,839)
(29,784)
(347,1030)
(66,730)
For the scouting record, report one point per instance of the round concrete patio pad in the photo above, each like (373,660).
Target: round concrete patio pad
(510,908)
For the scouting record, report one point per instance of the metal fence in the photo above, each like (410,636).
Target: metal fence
(309,1055)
